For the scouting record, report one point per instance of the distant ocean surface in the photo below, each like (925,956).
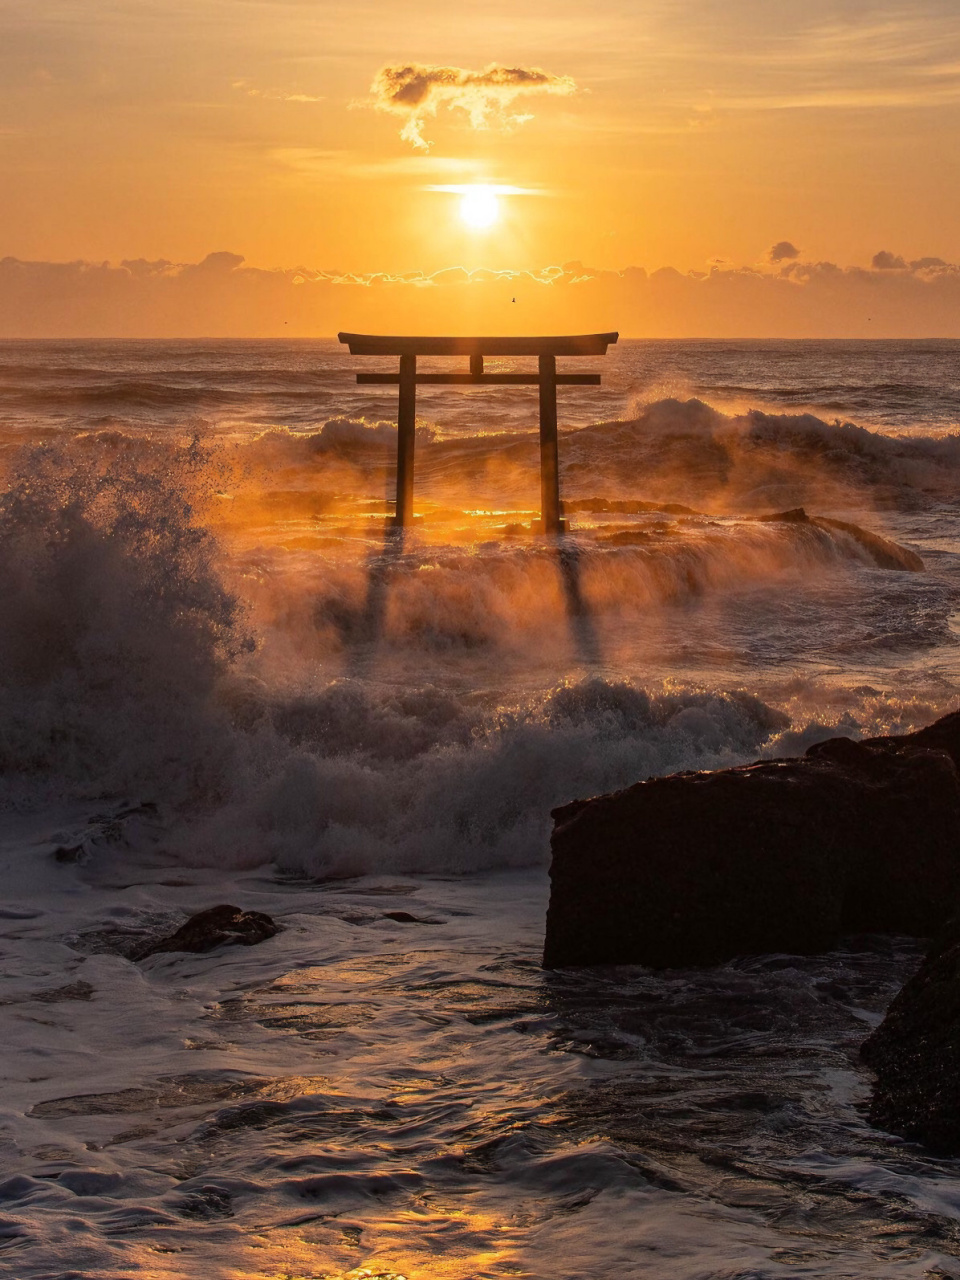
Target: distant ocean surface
(893,386)
(221,679)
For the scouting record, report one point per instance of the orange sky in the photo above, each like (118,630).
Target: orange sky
(666,133)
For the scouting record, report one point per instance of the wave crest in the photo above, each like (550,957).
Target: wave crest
(116,626)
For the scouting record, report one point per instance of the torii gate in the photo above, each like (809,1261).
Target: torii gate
(547,378)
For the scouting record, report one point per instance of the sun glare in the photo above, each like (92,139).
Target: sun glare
(479,208)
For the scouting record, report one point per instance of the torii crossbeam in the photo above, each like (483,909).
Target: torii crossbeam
(547,379)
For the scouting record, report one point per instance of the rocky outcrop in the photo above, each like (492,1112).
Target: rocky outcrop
(884,553)
(215,927)
(786,855)
(915,1052)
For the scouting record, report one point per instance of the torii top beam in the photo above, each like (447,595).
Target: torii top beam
(375,344)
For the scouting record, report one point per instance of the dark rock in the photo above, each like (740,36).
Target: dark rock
(884,553)
(682,871)
(215,927)
(797,515)
(942,735)
(788,855)
(915,1052)
(626,506)
(902,837)
(71,852)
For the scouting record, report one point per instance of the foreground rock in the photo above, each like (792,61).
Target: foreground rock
(787,855)
(216,927)
(915,1052)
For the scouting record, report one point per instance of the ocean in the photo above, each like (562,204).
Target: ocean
(224,680)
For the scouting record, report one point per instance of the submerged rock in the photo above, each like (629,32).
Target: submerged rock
(787,855)
(217,926)
(915,1052)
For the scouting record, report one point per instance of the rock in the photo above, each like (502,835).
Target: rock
(915,1052)
(786,855)
(682,871)
(215,927)
(942,735)
(884,553)
(901,875)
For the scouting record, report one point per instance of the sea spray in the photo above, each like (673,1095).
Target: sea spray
(379,782)
(423,704)
(129,668)
(116,627)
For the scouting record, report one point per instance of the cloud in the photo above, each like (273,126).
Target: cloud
(886,261)
(223,297)
(221,263)
(273,95)
(415,93)
(783,251)
(341,163)
(495,188)
(928,264)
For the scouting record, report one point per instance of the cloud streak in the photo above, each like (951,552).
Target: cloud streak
(416,93)
(273,95)
(222,297)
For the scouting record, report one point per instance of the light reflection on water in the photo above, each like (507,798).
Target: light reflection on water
(429,1103)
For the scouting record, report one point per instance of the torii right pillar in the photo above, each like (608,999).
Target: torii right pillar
(550,517)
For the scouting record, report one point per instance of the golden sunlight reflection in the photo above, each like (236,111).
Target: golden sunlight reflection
(454,1244)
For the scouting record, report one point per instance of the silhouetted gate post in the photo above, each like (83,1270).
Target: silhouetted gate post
(546,378)
(549,450)
(406,439)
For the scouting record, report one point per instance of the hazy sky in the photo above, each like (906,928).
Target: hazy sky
(693,129)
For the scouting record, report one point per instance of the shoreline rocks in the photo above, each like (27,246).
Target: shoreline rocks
(915,1051)
(784,855)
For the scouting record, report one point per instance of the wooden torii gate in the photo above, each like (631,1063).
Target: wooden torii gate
(547,378)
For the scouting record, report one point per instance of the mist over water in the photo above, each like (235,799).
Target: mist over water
(198,568)
(206,619)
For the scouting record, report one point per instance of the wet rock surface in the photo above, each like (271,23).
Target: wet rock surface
(781,856)
(915,1052)
(224,925)
(882,551)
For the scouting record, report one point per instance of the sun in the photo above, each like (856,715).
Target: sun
(480,207)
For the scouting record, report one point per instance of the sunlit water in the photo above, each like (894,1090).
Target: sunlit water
(221,679)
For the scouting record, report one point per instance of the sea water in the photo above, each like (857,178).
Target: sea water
(223,679)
